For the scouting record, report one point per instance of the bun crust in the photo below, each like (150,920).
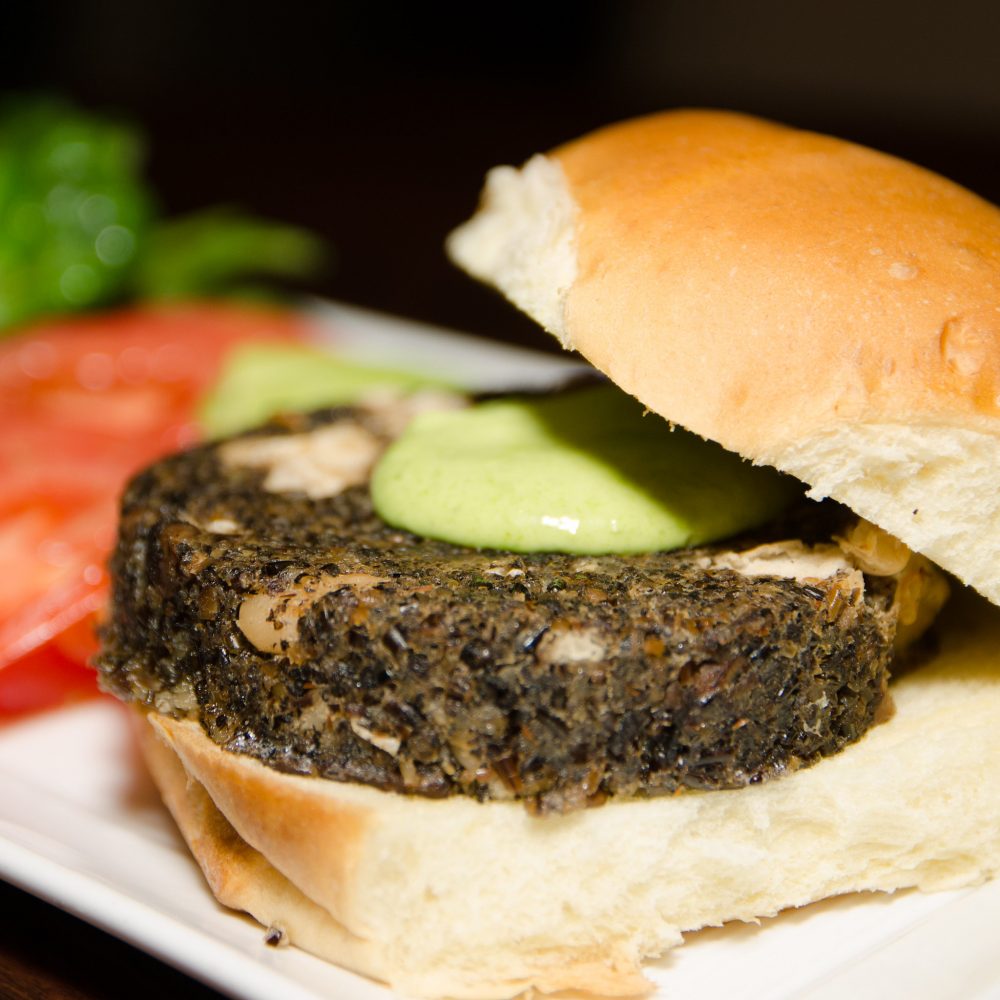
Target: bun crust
(803,279)
(808,303)
(465,899)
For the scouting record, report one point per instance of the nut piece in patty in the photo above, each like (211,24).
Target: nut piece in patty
(271,621)
(320,463)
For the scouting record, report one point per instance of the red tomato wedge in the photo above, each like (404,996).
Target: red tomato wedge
(85,403)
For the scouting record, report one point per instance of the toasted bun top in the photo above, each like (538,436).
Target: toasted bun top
(809,303)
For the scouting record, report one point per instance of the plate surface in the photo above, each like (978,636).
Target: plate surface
(82,826)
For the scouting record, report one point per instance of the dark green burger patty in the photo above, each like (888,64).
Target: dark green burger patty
(555,679)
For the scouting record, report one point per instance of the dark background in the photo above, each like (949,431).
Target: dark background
(373,123)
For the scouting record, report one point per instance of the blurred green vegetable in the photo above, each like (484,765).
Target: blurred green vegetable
(79,225)
(73,209)
(203,252)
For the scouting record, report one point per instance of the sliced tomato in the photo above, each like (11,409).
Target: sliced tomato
(45,677)
(85,403)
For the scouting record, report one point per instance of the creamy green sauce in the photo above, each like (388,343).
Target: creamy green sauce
(260,380)
(581,472)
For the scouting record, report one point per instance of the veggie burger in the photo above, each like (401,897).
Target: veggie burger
(481,697)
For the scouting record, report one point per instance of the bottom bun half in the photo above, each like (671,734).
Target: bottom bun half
(465,899)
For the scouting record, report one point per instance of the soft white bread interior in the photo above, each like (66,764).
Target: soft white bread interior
(457,898)
(808,303)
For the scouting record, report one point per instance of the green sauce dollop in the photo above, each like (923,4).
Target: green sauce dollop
(584,472)
(260,380)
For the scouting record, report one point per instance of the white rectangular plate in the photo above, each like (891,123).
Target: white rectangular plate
(81,826)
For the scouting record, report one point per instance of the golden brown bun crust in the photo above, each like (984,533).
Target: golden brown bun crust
(754,282)
(239,876)
(314,830)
